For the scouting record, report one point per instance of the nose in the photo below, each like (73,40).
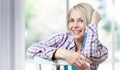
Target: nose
(75,24)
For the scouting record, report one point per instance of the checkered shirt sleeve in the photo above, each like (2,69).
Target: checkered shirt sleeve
(92,48)
(46,48)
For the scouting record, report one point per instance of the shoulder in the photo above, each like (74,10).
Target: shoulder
(62,34)
(58,35)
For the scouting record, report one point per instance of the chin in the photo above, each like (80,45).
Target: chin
(76,36)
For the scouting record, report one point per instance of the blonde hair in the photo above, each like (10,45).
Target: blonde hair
(85,11)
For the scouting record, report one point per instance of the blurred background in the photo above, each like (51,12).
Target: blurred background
(46,17)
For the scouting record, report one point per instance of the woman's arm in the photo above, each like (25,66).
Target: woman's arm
(97,51)
(49,49)
(92,47)
(45,49)
(72,57)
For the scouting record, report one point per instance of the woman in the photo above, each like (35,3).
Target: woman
(79,45)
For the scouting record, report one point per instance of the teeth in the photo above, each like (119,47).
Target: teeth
(77,31)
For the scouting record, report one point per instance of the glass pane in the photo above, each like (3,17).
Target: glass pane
(42,19)
(117,34)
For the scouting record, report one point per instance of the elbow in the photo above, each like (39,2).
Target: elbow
(105,55)
(29,54)
(102,56)
(101,59)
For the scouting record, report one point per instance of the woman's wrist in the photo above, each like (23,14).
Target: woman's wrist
(60,54)
(96,17)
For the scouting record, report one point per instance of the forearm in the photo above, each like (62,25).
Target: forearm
(97,52)
(61,54)
(41,51)
(46,48)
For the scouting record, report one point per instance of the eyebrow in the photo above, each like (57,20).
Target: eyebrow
(73,18)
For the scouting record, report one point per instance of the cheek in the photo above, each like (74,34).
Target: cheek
(83,28)
(69,26)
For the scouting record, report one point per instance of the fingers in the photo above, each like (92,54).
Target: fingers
(80,64)
(78,60)
(83,64)
(85,59)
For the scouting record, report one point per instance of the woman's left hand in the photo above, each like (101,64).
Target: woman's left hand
(74,58)
(96,17)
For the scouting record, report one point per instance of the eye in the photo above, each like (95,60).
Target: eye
(71,20)
(80,20)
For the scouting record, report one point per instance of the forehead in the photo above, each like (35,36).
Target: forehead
(75,13)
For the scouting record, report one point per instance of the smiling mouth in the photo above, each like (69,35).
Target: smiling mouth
(76,32)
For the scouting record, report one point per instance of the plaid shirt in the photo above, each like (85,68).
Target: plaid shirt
(91,48)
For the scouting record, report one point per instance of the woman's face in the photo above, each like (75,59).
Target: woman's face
(76,25)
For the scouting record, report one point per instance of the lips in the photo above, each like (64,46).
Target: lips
(76,32)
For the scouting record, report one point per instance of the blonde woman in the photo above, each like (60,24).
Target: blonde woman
(79,45)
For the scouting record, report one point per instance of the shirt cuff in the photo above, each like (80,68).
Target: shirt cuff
(92,27)
(53,57)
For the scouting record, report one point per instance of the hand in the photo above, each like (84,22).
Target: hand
(96,17)
(74,58)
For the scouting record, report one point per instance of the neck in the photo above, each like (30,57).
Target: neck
(78,43)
